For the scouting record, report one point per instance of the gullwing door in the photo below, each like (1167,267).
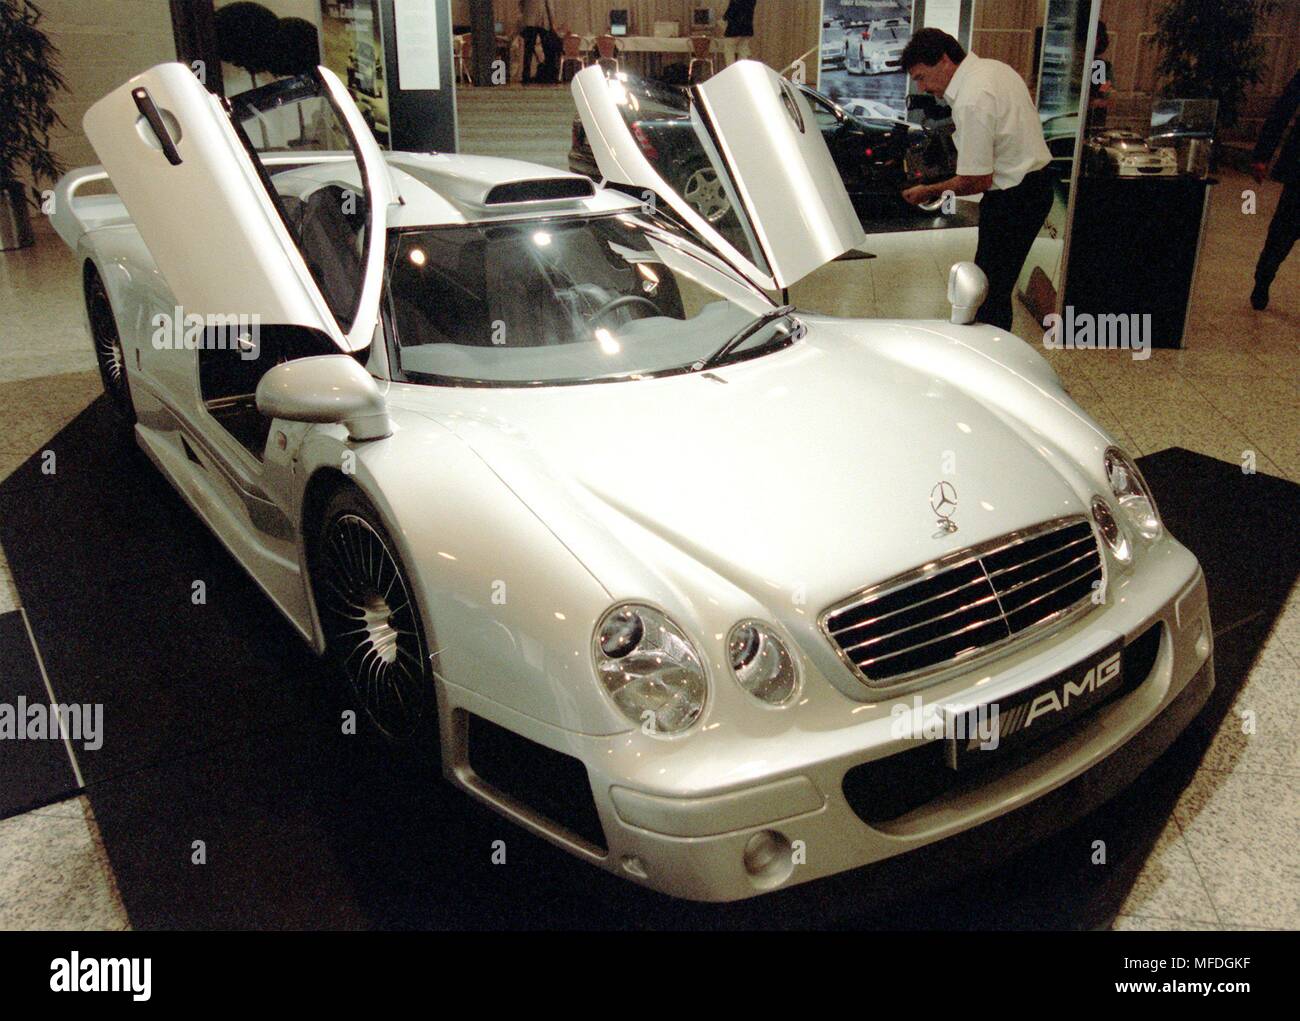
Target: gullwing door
(740,159)
(272,204)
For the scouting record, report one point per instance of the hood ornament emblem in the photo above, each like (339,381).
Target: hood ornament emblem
(943,501)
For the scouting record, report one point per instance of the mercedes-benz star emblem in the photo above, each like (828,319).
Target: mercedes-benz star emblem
(943,501)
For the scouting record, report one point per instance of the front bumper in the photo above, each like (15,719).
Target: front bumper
(690,836)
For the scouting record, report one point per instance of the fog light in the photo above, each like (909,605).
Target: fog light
(768,857)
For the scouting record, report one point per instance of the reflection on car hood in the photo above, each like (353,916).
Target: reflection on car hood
(810,468)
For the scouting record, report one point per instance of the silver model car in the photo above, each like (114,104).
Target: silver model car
(1119,153)
(720,595)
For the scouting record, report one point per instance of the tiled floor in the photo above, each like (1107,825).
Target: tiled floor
(1228,856)
(56,874)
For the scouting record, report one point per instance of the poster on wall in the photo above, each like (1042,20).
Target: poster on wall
(946,16)
(861,47)
(353,49)
(417,44)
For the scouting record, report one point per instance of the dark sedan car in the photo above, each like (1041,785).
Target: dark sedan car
(876,158)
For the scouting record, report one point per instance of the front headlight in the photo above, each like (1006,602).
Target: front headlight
(1110,530)
(649,666)
(1132,493)
(761,662)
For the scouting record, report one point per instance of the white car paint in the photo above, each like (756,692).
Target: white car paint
(785,483)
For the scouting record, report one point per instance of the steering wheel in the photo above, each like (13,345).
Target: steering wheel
(620,302)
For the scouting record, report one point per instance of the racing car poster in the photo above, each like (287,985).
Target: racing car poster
(862,45)
(354,50)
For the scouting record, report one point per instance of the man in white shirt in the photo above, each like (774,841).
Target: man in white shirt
(1000,152)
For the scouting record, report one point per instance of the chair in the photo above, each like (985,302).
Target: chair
(464,59)
(605,47)
(701,47)
(572,53)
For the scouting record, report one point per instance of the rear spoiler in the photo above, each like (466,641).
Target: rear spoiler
(74,216)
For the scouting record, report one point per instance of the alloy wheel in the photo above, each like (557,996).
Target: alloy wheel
(108,351)
(370,626)
(704,191)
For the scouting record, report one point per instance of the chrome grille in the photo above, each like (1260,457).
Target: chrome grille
(968,602)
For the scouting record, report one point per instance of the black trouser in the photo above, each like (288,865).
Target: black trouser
(1009,222)
(530,34)
(1283,232)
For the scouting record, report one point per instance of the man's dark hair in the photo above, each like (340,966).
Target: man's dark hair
(928,47)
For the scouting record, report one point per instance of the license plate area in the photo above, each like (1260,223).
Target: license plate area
(984,733)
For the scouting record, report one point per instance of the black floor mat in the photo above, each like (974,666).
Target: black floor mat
(228,797)
(106,556)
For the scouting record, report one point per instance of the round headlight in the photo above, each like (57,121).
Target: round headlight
(1110,530)
(761,662)
(649,666)
(621,633)
(1132,493)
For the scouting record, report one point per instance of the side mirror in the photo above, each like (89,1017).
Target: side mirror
(967,289)
(326,388)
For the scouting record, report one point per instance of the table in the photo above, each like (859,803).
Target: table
(655,45)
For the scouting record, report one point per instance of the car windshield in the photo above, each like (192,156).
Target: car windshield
(572,300)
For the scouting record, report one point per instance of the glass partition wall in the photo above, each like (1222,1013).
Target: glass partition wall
(1064,73)
(1047,41)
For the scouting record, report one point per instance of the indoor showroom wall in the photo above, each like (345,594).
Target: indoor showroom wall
(101,43)
(783,29)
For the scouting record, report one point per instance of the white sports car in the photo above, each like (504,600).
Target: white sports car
(719,595)
(874,110)
(878,49)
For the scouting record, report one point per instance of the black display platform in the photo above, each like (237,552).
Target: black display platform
(1133,247)
(221,730)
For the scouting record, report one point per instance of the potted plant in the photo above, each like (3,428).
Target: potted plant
(246,37)
(1208,50)
(29,79)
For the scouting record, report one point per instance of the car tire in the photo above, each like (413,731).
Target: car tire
(702,189)
(110,356)
(374,635)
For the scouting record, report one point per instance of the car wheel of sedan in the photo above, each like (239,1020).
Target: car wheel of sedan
(371,623)
(109,354)
(703,190)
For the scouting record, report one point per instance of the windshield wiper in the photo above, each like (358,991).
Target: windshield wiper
(771,315)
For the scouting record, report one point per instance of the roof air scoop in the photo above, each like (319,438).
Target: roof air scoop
(548,189)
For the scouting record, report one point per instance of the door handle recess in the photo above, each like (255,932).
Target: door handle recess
(145,104)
